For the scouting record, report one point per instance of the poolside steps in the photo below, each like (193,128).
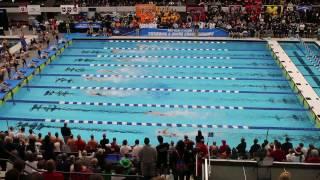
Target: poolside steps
(309,97)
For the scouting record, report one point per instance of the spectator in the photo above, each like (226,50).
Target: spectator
(31,163)
(286,146)
(12,174)
(277,154)
(314,157)
(148,159)
(114,146)
(104,141)
(214,150)
(224,150)
(65,132)
(199,136)
(57,142)
(51,173)
(125,149)
(254,148)
(136,149)
(179,162)
(92,144)
(241,149)
(162,153)
(47,148)
(80,144)
(79,172)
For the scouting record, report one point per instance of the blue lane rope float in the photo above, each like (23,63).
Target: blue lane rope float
(151,124)
(161,89)
(184,106)
(165,66)
(165,77)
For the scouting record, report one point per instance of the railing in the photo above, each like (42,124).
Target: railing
(137,177)
(248,169)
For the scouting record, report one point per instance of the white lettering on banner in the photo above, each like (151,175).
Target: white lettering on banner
(181,34)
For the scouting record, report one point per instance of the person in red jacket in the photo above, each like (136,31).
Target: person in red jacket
(80,144)
(277,154)
(51,174)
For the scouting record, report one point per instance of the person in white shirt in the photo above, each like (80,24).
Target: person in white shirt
(304,150)
(125,149)
(136,149)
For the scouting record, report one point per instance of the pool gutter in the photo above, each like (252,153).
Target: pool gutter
(307,96)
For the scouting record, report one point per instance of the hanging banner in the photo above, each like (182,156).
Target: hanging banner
(23,9)
(303,8)
(69,9)
(34,9)
(197,13)
(146,13)
(273,10)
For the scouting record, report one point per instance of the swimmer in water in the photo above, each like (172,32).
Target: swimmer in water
(115,51)
(172,113)
(165,132)
(106,71)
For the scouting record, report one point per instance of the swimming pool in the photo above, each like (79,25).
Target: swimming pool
(131,89)
(297,54)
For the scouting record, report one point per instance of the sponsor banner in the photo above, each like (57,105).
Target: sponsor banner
(198,13)
(273,10)
(183,32)
(85,25)
(146,13)
(34,9)
(69,9)
(23,9)
(304,8)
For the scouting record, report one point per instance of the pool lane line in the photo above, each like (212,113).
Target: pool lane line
(154,124)
(163,77)
(183,106)
(164,66)
(166,48)
(171,57)
(162,41)
(159,89)
(155,48)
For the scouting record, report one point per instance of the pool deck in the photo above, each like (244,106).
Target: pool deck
(310,98)
(318,42)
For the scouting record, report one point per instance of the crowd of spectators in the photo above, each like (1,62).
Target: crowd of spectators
(74,158)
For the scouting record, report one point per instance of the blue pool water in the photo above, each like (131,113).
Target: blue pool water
(297,53)
(137,89)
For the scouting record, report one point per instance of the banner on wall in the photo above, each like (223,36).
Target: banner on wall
(273,10)
(182,32)
(146,12)
(198,13)
(23,9)
(69,9)
(34,9)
